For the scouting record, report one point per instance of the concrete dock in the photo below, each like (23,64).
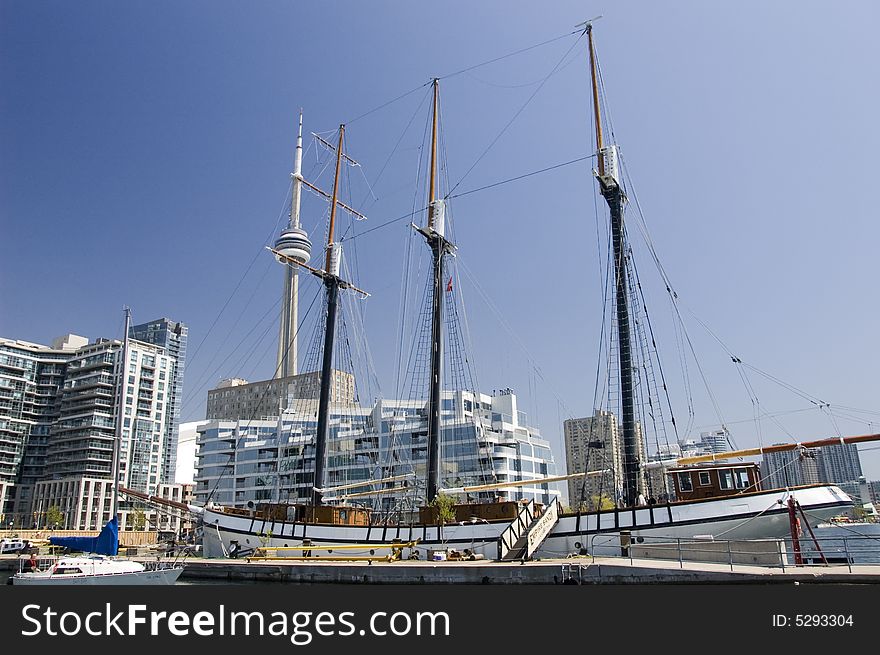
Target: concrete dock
(577,570)
(574,570)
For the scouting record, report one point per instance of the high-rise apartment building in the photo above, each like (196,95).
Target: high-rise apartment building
(840,463)
(30,377)
(836,464)
(595,443)
(79,461)
(58,408)
(172,337)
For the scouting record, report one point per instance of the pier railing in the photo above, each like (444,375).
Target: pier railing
(775,553)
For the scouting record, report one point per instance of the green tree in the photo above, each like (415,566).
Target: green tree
(54,517)
(601,502)
(138,519)
(445,508)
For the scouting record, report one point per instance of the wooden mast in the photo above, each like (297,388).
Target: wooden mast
(594,75)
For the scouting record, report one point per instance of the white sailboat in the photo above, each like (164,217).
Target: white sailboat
(507,530)
(99,565)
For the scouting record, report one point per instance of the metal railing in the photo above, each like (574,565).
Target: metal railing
(519,526)
(838,551)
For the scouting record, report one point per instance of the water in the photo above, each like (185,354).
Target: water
(859,542)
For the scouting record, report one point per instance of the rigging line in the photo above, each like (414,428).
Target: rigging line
(511,54)
(402,135)
(520,177)
(515,116)
(491,305)
(240,281)
(605,292)
(798,392)
(385,224)
(195,395)
(641,294)
(242,313)
(643,228)
(256,408)
(860,534)
(464,193)
(392,101)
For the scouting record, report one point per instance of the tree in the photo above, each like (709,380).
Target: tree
(54,517)
(601,502)
(138,519)
(445,508)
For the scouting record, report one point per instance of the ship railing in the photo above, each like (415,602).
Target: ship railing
(43,562)
(509,539)
(769,553)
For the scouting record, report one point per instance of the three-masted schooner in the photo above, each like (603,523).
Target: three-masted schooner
(512,530)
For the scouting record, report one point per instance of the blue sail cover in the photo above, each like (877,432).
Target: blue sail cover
(106,543)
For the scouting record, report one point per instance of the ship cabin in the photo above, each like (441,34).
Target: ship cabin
(714,480)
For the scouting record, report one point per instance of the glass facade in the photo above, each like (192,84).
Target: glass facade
(273,460)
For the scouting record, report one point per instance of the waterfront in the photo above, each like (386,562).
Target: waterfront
(853,553)
(857,542)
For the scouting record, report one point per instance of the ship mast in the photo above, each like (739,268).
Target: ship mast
(117,441)
(332,283)
(435,237)
(609,184)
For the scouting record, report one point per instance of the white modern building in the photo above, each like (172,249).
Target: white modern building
(484,439)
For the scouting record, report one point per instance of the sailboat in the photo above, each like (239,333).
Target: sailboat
(98,564)
(516,530)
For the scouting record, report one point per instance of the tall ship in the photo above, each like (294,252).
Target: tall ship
(428,480)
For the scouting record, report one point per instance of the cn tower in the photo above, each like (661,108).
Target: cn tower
(293,242)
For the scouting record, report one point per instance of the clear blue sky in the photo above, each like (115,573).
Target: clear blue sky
(145,150)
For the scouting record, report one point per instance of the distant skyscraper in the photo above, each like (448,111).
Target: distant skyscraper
(594,443)
(172,336)
(839,463)
(790,468)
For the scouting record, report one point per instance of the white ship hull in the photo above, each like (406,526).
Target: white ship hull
(760,515)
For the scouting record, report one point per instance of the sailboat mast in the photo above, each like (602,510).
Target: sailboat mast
(331,281)
(439,247)
(120,387)
(610,188)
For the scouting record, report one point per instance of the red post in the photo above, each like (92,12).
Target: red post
(795,541)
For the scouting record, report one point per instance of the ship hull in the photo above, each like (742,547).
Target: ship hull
(759,515)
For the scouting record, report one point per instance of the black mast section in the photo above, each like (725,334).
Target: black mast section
(332,283)
(613,197)
(611,191)
(438,248)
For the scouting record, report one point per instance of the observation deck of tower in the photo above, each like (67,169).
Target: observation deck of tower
(293,242)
